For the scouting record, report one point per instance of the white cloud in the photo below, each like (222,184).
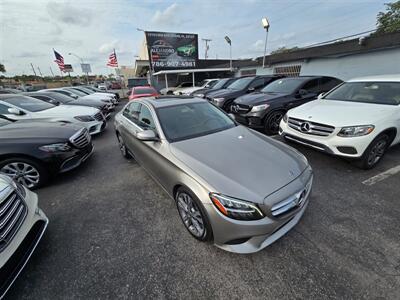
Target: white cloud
(107,48)
(169,16)
(68,14)
(258,45)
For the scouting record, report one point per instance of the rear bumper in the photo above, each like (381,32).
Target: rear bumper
(17,253)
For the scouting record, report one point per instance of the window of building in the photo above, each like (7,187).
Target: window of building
(248,72)
(291,71)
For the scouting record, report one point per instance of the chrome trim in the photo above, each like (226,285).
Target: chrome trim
(303,143)
(308,127)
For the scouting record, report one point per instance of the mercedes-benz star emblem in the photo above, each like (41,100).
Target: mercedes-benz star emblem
(305,127)
(235,108)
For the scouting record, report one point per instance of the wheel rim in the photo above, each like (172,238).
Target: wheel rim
(24,173)
(191,215)
(377,152)
(121,146)
(273,122)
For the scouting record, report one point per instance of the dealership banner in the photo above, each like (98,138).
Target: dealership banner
(169,51)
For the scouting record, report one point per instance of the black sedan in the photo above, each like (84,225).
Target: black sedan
(31,152)
(58,98)
(265,109)
(224,98)
(221,84)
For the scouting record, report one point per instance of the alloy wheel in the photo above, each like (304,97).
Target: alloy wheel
(191,215)
(377,152)
(274,121)
(22,172)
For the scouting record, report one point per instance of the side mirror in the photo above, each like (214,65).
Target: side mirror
(15,111)
(303,92)
(147,135)
(251,89)
(320,96)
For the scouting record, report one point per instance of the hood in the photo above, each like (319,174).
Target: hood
(258,98)
(87,102)
(68,111)
(188,90)
(341,113)
(38,130)
(96,97)
(108,95)
(241,163)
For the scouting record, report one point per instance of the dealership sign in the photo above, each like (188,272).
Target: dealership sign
(86,68)
(169,50)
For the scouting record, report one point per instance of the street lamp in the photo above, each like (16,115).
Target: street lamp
(229,41)
(80,58)
(265,24)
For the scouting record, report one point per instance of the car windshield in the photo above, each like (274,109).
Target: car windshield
(141,91)
(220,83)
(76,92)
(286,86)
(29,103)
(367,92)
(4,122)
(192,120)
(80,91)
(240,84)
(59,97)
(85,90)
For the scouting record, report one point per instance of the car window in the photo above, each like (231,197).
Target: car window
(44,98)
(256,84)
(311,86)
(145,118)
(186,84)
(326,84)
(4,109)
(29,103)
(132,111)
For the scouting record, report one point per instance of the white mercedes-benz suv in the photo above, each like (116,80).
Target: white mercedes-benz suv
(359,119)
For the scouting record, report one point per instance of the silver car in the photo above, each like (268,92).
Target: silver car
(232,185)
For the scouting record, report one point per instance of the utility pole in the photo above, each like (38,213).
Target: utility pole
(41,75)
(52,72)
(33,69)
(207,47)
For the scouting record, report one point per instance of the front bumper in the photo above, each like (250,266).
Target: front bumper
(16,255)
(77,159)
(94,127)
(351,147)
(252,236)
(252,120)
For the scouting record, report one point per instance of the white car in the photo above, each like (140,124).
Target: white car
(89,91)
(171,89)
(85,95)
(359,119)
(205,84)
(18,107)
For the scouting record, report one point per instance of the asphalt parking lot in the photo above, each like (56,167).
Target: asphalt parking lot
(114,233)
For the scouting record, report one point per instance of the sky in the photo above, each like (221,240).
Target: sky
(91,29)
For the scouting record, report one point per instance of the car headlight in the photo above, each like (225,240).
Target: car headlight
(60,147)
(258,108)
(236,209)
(219,100)
(353,131)
(84,118)
(285,118)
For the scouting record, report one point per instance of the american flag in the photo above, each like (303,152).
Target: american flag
(59,60)
(112,60)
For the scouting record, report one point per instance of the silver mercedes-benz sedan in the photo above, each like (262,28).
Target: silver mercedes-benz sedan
(232,185)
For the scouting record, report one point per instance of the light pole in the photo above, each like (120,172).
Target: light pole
(265,24)
(149,54)
(229,41)
(80,58)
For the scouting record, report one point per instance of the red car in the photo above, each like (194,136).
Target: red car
(116,86)
(142,91)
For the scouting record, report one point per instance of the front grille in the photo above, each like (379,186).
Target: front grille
(99,116)
(240,108)
(80,139)
(12,213)
(312,128)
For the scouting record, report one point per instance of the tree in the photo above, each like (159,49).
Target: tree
(2,68)
(284,50)
(389,21)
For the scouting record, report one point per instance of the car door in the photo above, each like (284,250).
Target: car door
(311,89)
(129,125)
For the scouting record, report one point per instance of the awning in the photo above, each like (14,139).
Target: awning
(191,71)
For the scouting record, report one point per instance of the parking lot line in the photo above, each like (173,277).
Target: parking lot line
(382,176)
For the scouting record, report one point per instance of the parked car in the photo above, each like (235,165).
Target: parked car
(264,109)
(94,89)
(116,86)
(10,91)
(24,224)
(244,201)
(137,81)
(358,120)
(170,90)
(61,99)
(102,87)
(142,91)
(248,84)
(205,84)
(34,151)
(186,50)
(88,94)
(221,84)
(18,107)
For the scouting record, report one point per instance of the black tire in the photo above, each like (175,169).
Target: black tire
(122,147)
(374,153)
(196,210)
(28,179)
(271,122)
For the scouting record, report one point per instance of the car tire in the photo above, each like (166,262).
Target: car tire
(374,153)
(271,123)
(122,147)
(25,171)
(193,215)
(227,106)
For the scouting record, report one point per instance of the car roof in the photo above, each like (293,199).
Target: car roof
(165,101)
(384,78)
